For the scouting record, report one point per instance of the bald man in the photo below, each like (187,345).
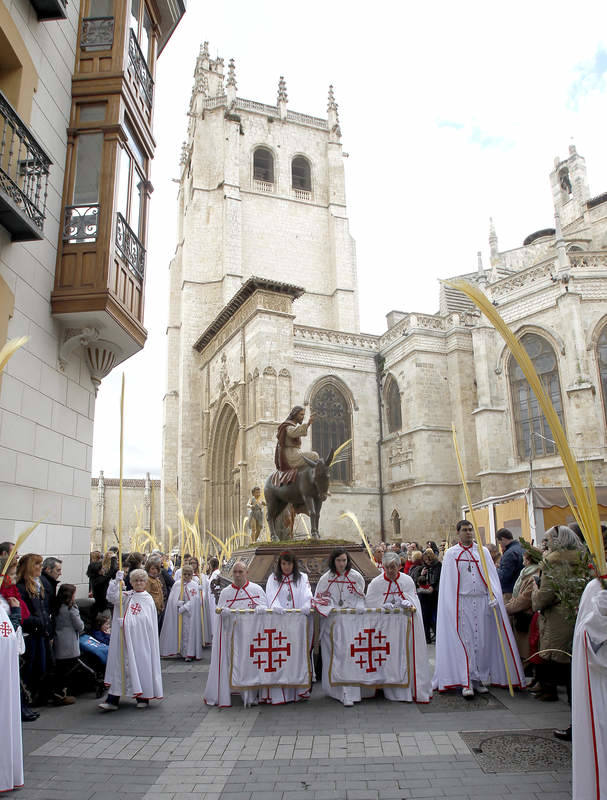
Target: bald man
(241,593)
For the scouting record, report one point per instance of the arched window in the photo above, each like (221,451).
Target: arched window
(393,408)
(331,427)
(533,435)
(602,355)
(263,165)
(301,176)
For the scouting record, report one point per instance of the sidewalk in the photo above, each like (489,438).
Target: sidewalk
(179,749)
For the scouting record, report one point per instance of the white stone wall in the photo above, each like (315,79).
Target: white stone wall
(46,415)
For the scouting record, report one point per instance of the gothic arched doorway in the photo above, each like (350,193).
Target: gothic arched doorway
(225,476)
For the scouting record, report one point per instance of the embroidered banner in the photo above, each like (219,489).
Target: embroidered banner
(270,649)
(370,649)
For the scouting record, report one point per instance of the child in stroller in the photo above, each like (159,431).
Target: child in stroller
(88,672)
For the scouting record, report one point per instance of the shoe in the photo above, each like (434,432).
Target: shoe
(548,697)
(27,715)
(467,692)
(108,706)
(481,689)
(187,660)
(564,735)
(142,705)
(536,688)
(62,700)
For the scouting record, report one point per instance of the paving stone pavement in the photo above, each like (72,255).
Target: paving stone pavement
(179,749)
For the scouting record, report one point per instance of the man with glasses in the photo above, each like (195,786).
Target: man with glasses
(468,651)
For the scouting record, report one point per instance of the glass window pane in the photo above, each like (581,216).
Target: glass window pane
(123,184)
(135,217)
(134,144)
(134,20)
(101,8)
(92,112)
(88,168)
(146,35)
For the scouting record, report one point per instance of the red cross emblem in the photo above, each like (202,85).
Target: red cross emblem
(273,650)
(5,630)
(135,609)
(371,654)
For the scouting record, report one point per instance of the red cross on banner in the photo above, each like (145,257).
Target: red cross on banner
(271,649)
(5,630)
(370,651)
(135,609)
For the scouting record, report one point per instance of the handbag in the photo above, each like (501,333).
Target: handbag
(522,621)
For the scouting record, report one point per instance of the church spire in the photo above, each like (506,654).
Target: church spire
(231,84)
(493,242)
(333,115)
(282,98)
(563,258)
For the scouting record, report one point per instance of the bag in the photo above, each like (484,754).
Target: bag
(522,621)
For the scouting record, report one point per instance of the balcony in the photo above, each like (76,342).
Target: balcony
(49,9)
(141,70)
(81,224)
(263,186)
(24,171)
(129,247)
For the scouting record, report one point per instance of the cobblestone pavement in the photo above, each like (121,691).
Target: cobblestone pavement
(179,749)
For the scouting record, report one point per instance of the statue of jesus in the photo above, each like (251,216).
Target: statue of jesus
(288,454)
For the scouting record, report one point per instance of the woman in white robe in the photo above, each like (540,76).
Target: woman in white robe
(589,695)
(287,588)
(138,627)
(340,587)
(394,588)
(11,749)
(192,607)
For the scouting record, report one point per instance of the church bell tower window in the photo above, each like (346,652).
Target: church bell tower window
(301,178)
(393,406)
(263,169)
(331,428)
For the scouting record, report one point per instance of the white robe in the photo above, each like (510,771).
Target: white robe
(195,621)
(177,576)
(218,691)
(139,629)
(383,590)
(337,591)
(468,650)
(287,594)
(11,749)
(589,695)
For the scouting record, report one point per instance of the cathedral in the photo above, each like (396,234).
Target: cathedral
(263,315)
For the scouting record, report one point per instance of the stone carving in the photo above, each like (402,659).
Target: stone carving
(320,335)
(538,273)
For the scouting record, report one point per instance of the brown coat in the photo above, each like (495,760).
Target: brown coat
(556,631)
(154,588)
(522,603)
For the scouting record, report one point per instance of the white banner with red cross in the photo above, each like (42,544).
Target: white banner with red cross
(270,649)
(370,648)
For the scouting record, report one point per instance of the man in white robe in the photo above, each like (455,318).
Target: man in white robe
(340,587)
(290,591)
(192,607)
(468,651)
(240,594)
(138,628)
(589,695)
(11,749)
(394,588)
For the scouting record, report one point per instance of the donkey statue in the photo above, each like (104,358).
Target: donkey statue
(306,494)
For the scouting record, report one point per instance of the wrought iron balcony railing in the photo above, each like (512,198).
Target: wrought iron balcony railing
(97,33)
(141,69)
(81,223)
(24,171)
(129,247)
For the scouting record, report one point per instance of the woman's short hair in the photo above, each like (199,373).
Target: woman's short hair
(335,553)
(561,537)
(137,573)
(153,561)
(416,555)
(290,557)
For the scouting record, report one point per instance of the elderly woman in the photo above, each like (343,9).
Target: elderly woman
(556,630)
(519,606)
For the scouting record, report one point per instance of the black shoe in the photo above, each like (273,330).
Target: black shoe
(564,735)
(27,715)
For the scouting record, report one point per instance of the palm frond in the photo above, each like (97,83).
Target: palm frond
(10,348)
(343,451)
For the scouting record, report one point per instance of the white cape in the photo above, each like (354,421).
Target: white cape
(139,631)
(382,590)
(11,749)
(217,691)
(589,695)
(467,642)
(287,594)
(195,621)
(337,591)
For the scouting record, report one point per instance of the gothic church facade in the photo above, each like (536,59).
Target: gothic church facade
(263,315)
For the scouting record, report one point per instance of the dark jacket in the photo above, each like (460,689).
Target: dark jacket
(39,621)
(510,566)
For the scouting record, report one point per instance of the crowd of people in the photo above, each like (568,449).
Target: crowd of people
(497,619)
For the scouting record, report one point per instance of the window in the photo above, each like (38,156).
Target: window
(393,407)
(332,427)
(131,183)
(602,356)
(141,25)
(263,165)
(533,435)
(301,176)
(88,168)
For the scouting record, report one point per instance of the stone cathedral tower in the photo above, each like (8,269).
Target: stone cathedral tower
(262,195)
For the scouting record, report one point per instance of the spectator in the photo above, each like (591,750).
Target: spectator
(495,554)
(416,565)
(433,546)
(38,660)
(68,627)
(519,606)
(155,585)
(103,629)
(378,554)
(511,562)
(99,580)
(96,555)
(556,629)
(5,550)
(428,582)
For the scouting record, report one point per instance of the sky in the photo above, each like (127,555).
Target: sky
(450,113)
